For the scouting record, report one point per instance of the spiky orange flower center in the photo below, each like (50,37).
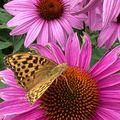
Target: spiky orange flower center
(50,9)
(73,96)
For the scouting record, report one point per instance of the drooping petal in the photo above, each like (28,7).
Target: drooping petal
(72,50)
(85,55)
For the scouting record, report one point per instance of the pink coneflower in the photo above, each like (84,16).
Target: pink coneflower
(94,93)
(44,20)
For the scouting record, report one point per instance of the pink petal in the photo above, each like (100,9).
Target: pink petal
(105,62)
(104,36)
(57,53)
(15,107)
(44,51)
(33,32)
(66,25)
(108,114)
(91,5)
(115,67)
(58,32)
(14,7)
(112,39)
(110,96)
(22,18)
(86,51)
(76,21)
(12,93)
(8,77)
(111,105)
(23,28)
(111,10)
(31,115)
(91,15)
(111,80)
(72,50)
(43,36)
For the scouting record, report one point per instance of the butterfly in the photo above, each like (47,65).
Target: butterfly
(35,73)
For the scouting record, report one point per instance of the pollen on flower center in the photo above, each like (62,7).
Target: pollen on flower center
(73,96)
(50,9)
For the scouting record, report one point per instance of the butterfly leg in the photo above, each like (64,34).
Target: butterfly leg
(56,81)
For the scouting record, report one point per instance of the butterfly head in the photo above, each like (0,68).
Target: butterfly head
(59,69)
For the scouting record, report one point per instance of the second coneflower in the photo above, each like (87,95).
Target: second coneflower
(44,20)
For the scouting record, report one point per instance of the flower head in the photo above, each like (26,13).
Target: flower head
(80,92)
(44,20)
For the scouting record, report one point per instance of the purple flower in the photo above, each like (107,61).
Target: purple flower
(44,20)
(80,93)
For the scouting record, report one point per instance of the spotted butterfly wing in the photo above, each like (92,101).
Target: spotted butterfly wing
(32,72)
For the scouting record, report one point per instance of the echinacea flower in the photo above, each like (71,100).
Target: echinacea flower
(81,92)
(43,20)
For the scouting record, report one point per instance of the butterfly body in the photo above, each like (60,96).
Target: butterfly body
(34,72)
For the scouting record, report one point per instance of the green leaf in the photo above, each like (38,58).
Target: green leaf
(4,44)
(4,16)
(4,35)
(97,53)
(18,44)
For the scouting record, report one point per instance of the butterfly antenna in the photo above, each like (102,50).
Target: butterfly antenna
(67,83)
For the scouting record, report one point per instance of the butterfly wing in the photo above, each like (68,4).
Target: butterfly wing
(37,91)
(25,66)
